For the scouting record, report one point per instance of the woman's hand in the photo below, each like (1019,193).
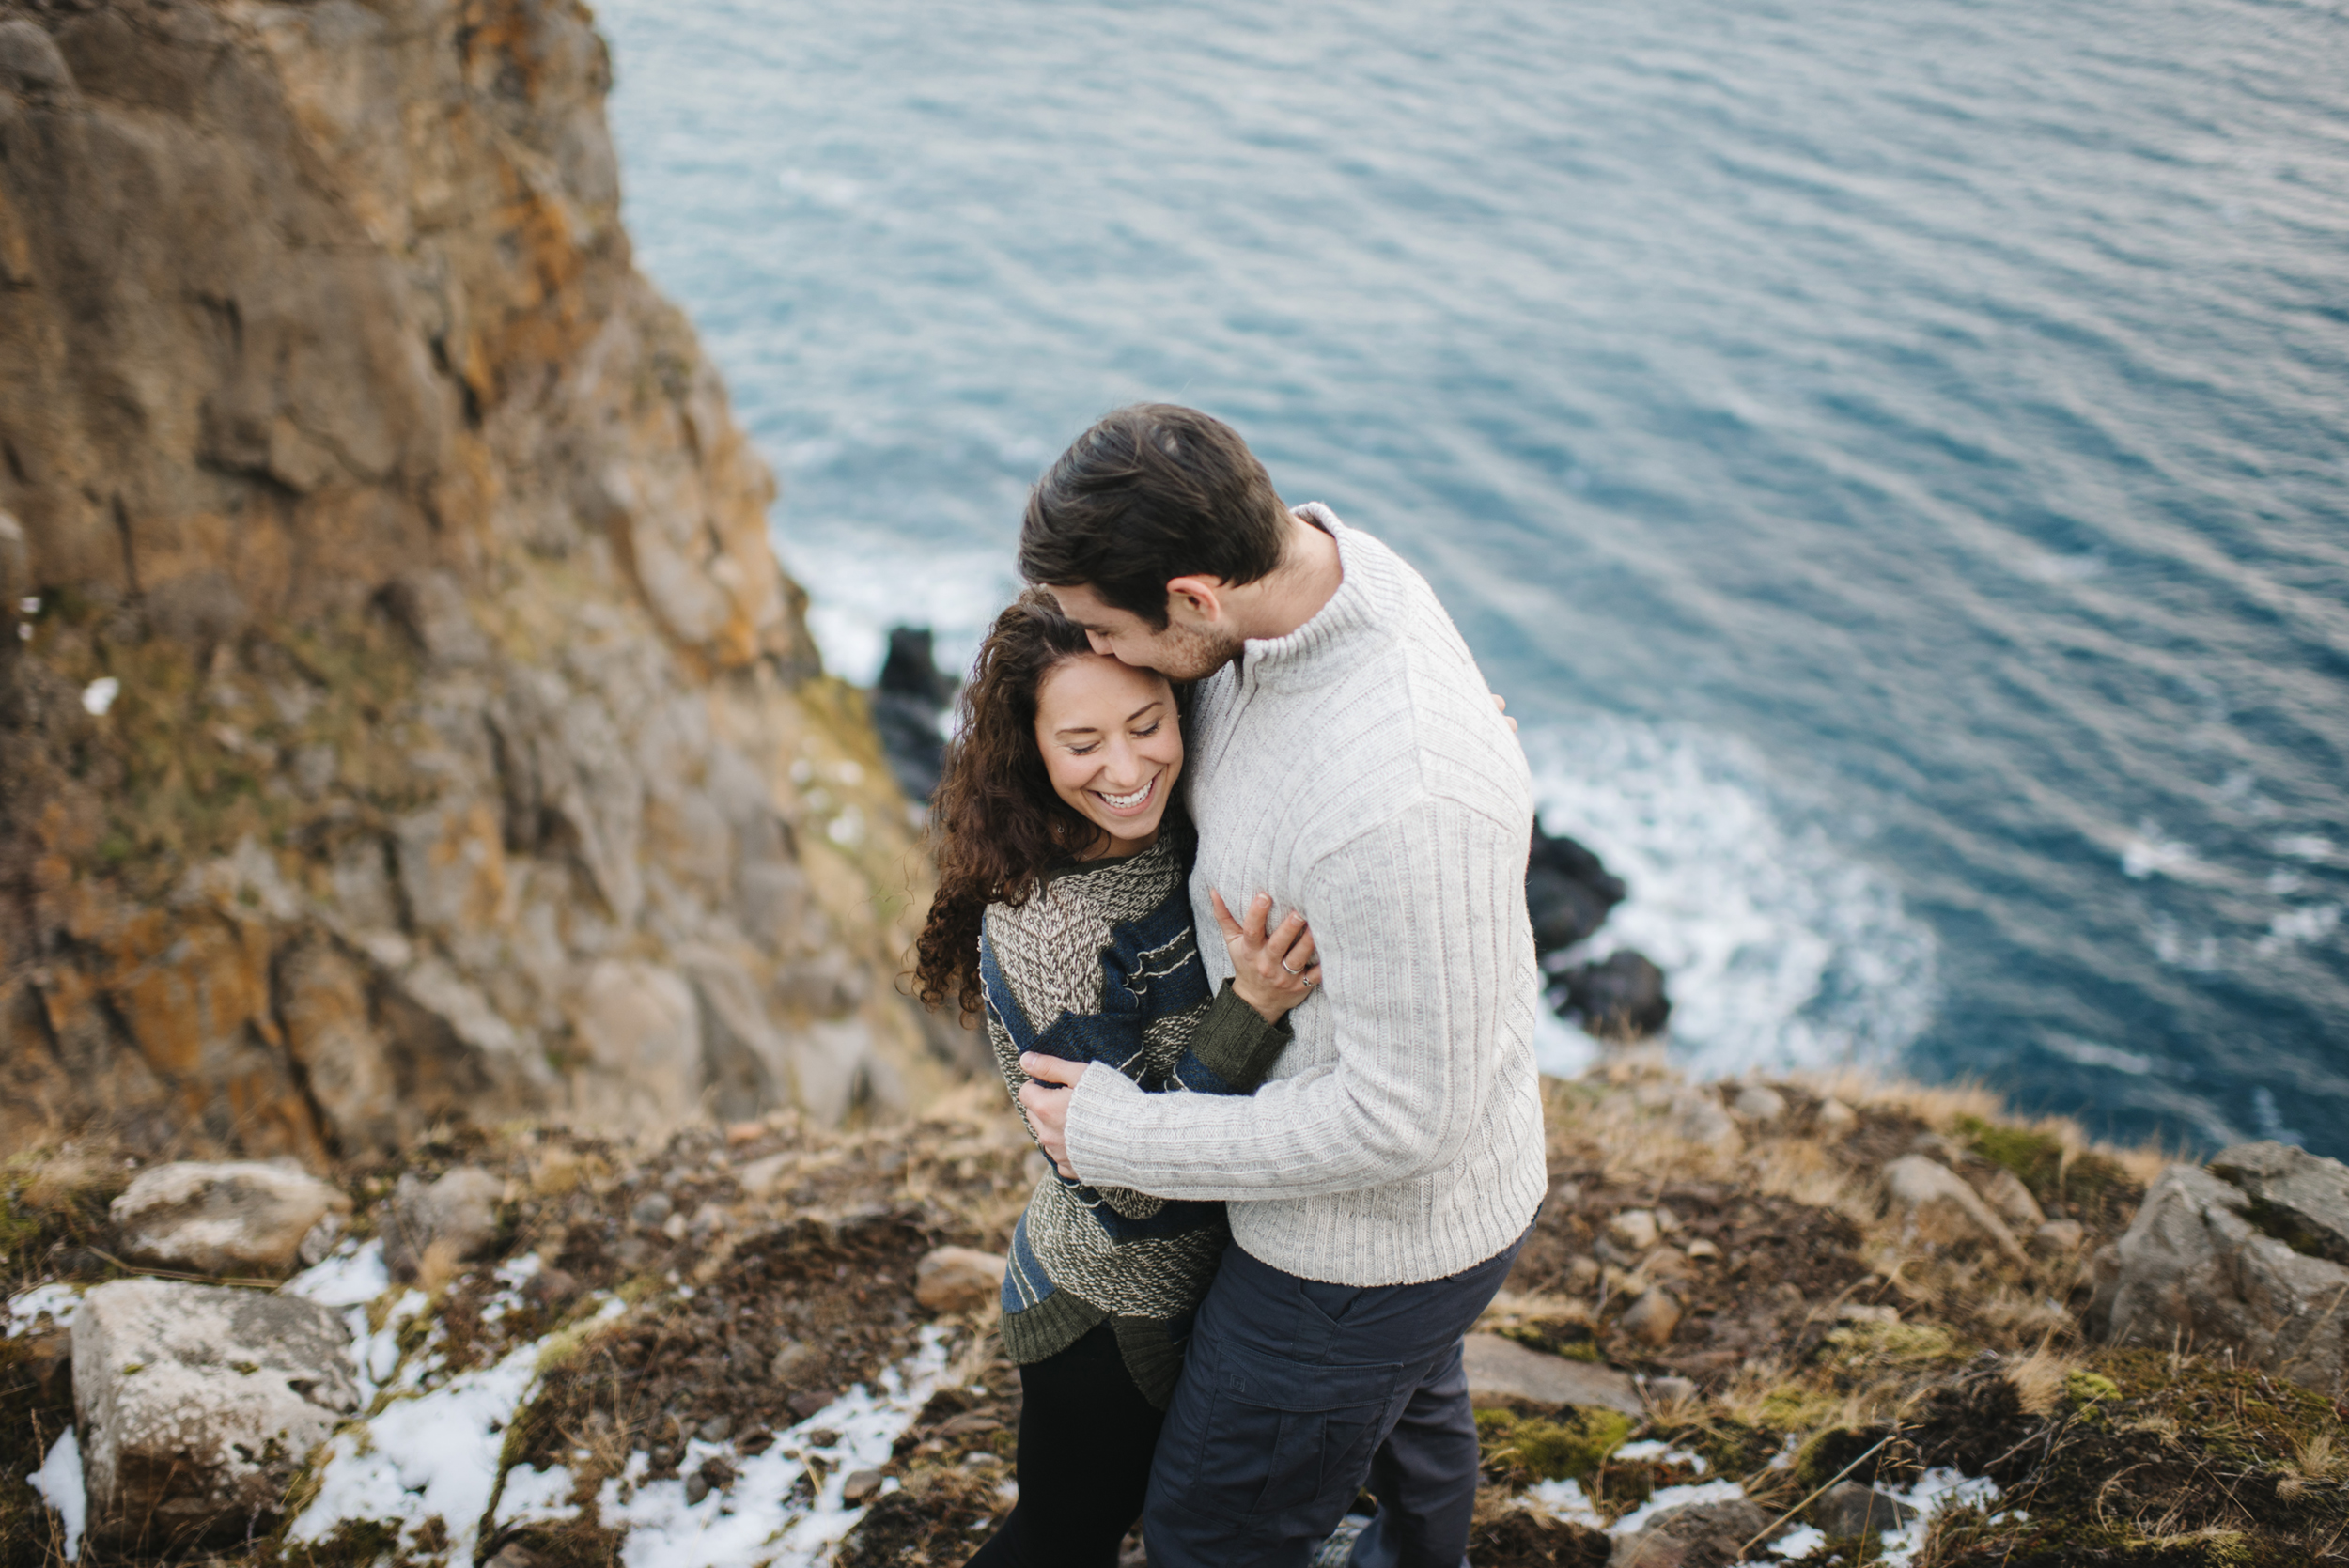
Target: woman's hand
(1273,972)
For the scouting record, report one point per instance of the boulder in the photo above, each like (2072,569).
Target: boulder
(1757,1102)
(1567,891)
(457,1214)
(1937,1206)
(198,1405)
(1500,1370)
(238,1218)
(1848,1508)
(958,1280)
(2192,1270)
(1835,1119)
(1619,998)
(1694,1535)
(2300,1199)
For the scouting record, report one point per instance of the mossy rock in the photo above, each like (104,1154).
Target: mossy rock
(2091,1187)
(1572,1446)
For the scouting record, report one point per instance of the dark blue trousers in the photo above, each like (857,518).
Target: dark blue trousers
(1297,1394)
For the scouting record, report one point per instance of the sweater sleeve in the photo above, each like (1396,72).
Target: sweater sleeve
(1417,921)
(1233,1047)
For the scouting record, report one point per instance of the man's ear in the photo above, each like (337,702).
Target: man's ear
(1196,599)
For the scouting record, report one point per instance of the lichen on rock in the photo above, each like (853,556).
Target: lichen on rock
(467,755)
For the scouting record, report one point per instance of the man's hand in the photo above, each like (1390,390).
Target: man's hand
(1045,1098)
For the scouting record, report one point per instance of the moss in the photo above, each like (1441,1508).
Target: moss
(2085,1388)
(2090,1186)
(1885,1346)
(1573,1446)
(1861,1454)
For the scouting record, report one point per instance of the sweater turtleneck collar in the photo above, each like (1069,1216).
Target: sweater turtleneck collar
(1317,651)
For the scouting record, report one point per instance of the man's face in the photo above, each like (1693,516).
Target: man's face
(1188,649)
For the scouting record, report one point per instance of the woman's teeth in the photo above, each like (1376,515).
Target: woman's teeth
(1127,802)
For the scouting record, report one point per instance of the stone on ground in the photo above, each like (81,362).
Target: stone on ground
(1651,1318)
(1694,1535)
(2300,1199)
(198,1405)
(1849,1509)
(2192,1270)
(238,1218)
(1760,1103)
(2004,1191)
(1937,1206)
(458,1213)
(1500,1370)
(958,1280)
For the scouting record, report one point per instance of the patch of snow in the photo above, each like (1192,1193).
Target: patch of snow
(100,695)
(434,1455)
(27,1307)
(1566,1500)
(1675,1496)
(1801,1541)
(351,1276)
(59,1482)
(1658,1452)
(758,1520)
(536,1496)
(1929,1495)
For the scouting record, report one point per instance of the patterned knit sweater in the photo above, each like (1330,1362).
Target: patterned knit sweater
(1355,769)
(1100,964)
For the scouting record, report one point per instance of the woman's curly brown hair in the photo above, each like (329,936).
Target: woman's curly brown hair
(996,822)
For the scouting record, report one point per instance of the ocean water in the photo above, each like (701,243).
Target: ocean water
(1894,459)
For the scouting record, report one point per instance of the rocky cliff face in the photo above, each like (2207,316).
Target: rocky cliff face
(403,718)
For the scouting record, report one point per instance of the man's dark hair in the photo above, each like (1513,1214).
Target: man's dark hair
(1152,493)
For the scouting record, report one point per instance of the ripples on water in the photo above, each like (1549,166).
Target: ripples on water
(1892,457)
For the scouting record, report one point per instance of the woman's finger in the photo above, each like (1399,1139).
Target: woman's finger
(1300,956)
(1231,932)
(1283,938)
(1259,910)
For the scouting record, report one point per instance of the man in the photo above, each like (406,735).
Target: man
(1347,760)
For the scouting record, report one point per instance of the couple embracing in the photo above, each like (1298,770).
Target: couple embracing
(1292,1162)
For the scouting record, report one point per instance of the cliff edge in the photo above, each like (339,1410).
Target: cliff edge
(403,717)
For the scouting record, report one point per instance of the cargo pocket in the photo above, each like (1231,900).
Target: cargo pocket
(1280,1432)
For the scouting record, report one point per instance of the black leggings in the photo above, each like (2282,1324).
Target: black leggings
(1086,1437)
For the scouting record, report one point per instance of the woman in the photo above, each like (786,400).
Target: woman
(1063,914)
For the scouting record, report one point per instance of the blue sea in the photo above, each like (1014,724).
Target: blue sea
(1893,458)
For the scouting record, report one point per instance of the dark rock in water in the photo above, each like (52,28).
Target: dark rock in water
(1619,998)
(911,740)
(911,668)
(910,702)
(1567,891)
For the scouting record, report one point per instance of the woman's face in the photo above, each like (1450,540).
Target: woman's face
(1111,745)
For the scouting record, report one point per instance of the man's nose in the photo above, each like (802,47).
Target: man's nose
(1099,641)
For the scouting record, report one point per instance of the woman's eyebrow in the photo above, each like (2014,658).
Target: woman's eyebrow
(1143,709)
(1074,729)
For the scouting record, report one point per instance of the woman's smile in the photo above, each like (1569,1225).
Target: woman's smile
(1132,801)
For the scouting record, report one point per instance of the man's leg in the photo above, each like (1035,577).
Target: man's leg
(1290,1386)
(1425,1478)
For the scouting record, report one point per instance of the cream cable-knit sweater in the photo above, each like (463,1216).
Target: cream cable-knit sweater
(1356,770)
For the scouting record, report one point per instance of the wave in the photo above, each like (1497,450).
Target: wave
(1782,947)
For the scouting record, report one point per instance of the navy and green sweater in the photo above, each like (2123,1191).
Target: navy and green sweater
(1100,964)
